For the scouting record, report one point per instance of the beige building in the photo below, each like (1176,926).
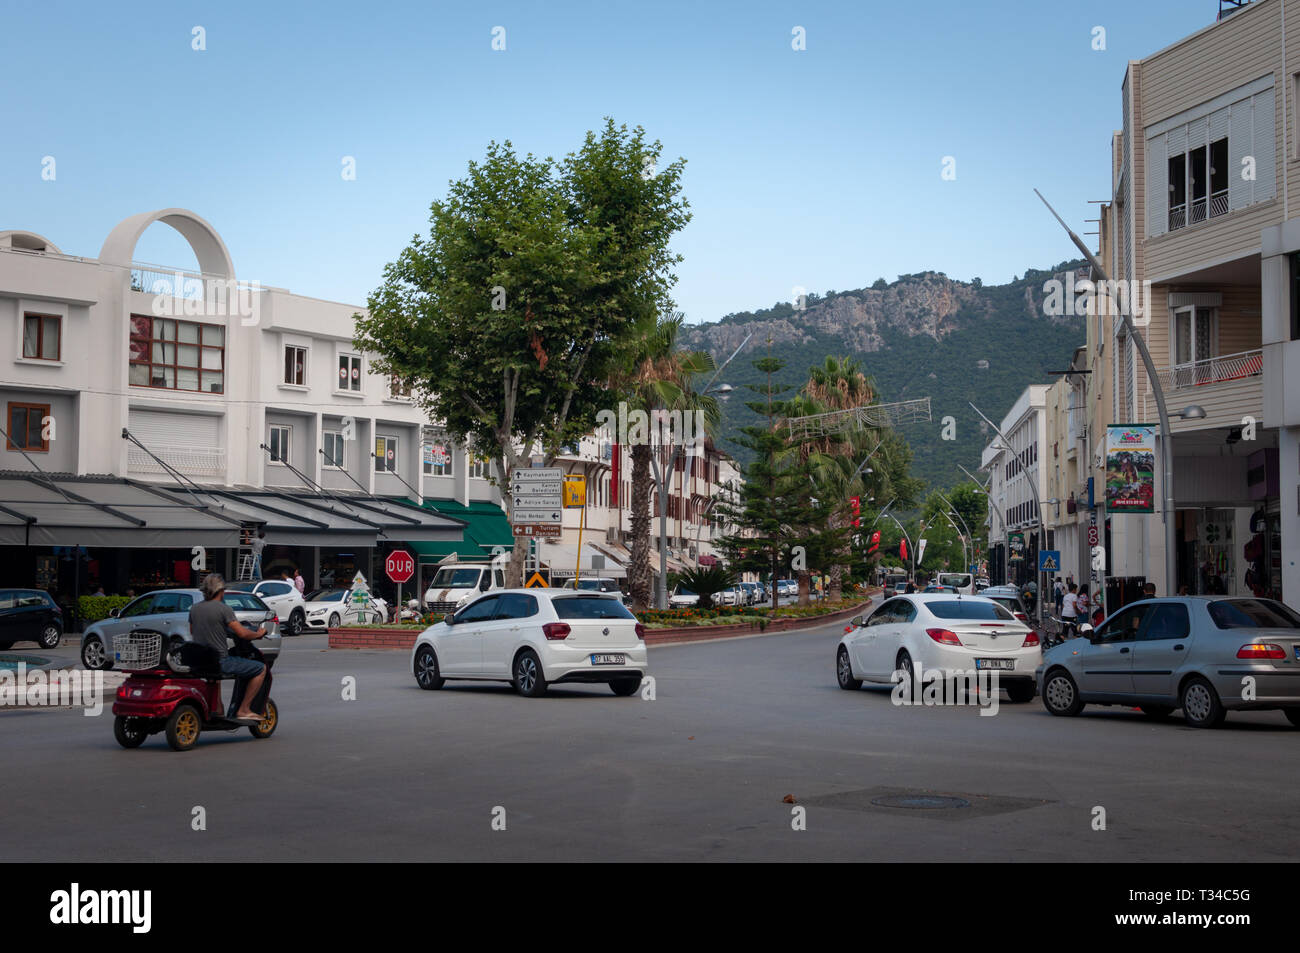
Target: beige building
(1200,225)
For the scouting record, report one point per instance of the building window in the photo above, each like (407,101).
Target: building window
(26,426)
(385,454)
(437,456)
(478,466)
(333,447)
(42,337)
(295,365)
(350,372)
(279,444)
(399,389)
(1198,184)
(1194,343)
(177,355)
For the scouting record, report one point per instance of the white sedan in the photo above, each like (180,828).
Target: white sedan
(534,638)
(939,631)
(331,608)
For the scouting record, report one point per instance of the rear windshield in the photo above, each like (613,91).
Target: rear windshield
(968,609)
(958,580)
(244,601)
(1253,614)
(590,607)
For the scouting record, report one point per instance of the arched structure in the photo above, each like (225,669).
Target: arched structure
(27,241)
(209,249)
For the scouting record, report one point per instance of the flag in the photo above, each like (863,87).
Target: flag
(902,550)
(875,543)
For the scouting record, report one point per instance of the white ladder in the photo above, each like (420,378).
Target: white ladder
(245,567)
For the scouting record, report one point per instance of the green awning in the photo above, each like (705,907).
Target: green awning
(486,527)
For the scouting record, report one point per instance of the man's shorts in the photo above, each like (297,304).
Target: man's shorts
(241,667)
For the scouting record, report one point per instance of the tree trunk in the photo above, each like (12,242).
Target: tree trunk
(805,587)
(638,582)
(837,583)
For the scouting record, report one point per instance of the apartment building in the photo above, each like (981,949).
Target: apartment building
(1015,470)
(1065,470)
(1200,230)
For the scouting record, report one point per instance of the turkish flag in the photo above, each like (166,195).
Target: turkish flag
(875,542)
(902,549)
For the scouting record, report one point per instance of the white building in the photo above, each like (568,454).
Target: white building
(1013,515)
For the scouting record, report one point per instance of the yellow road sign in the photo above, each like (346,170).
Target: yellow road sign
(575,491)
(536,582)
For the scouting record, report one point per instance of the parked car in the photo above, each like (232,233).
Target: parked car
(752,596)
(331,608)
(168,611)
(287,602)
(535,638)
(455,584)
(29,615)
(735,596)
(683,599)
(925,632)
(962,582)
(596,584)
(900,587)
(1009,598)
(1206,655)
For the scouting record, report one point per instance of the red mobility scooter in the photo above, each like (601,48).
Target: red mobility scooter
(180,692)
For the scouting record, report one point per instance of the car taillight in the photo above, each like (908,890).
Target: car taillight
(1031,640)
(556,631)
(1261,650)
(640,631)
(946,636)
(1022,617)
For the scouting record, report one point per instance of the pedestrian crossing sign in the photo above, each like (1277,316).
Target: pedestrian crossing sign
(1049,560)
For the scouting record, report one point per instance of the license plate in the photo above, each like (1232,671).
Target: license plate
(608,659)
(1002,663)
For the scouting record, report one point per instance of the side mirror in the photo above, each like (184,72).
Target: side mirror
(858,621)
(114,613)
(449,618)
(1087,632)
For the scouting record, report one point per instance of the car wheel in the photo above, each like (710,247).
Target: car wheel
(623,687)
(844,671)
(266,727)
(334,620)
(1061,694)
(129,732)
(1200,704)
(1292,715)
(1157,711)
(50,636)
(171,657)
(93,655)
(529,680)
(183,728)
(1020,693)
(426,669)
(297,622)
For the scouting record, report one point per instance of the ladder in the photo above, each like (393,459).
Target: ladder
(245,567)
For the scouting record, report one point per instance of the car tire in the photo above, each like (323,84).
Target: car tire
(184,727)
(297,623)
(266,727)
(1156,711)
(171,657)
(129,732)
(844,671)
(50,637)
(334,620)
(1020,693)
(93,654)
(1061,694)
(1200,704)
(426,669)
(528,676)
(623,687)
(1292,715)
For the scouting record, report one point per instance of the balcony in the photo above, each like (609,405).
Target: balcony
(1213,370)
(1229,387)
(1199,209)
(194,461)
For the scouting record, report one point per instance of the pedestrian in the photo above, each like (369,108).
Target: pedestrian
(1149,591)
(299,583)
(259,544)
(1182,590)
(99,591)
(1082,604)
(1070,612)
(1058,593)
(910,588)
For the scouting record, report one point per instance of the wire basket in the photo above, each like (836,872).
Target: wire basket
(137,651)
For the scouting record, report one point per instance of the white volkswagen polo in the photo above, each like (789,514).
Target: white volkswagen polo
(534,638)
(939,631)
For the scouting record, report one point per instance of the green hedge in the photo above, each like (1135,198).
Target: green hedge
(93,608)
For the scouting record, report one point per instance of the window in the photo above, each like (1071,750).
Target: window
(399,389)
(279,444)
(273,589)
(516,605)
(244,602)
(177,355)
(385,454)
(1253,614)
(42,337)
(1124,625)
(1198,183)
(1168,621)
(482,611)
(437,457)
(478,466)
(590,607)
(1194,342)
(141,606)
(26,427)
(295,365)
(350,372)
(333,447)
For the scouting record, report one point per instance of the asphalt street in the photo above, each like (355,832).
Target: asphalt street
(699,773)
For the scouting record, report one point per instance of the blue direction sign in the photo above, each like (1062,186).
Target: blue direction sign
(1049,560)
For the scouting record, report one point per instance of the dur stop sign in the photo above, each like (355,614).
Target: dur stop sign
(400,566)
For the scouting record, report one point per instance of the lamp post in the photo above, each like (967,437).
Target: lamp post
(992,505)
(1194,412)
(957,512)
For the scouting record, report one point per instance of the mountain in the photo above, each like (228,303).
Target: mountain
(924,335)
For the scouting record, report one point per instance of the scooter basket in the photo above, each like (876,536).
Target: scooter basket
(137,651)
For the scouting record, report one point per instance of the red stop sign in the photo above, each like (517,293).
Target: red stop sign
(400,565)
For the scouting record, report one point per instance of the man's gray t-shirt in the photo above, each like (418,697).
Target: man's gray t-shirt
(209,624)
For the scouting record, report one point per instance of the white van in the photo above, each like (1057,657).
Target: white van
(457,583)
(962,582)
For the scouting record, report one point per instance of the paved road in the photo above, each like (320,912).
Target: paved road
(699,773)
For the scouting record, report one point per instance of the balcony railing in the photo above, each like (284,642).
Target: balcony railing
(155,279)
(1214,370)
(1198,210)
(196,461)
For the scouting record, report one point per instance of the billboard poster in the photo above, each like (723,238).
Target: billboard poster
(1130,468)
(1016,547)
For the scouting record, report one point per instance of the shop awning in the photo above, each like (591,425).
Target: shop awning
(562,558)
(485,527)
(61,509)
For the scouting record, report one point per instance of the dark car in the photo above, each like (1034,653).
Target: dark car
(29,615)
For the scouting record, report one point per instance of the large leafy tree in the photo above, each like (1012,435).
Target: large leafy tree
(508,319)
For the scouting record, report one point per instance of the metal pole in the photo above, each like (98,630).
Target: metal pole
(960,517)
(1158,392)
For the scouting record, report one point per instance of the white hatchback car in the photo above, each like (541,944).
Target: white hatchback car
(283,596)
(939,631)
(534,638)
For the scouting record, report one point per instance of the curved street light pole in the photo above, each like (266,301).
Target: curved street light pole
(957,513)
(992,505)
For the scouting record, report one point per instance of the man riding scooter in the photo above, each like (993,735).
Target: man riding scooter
(211,623)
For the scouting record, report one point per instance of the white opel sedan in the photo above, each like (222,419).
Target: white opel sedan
(534,638)
(939,631)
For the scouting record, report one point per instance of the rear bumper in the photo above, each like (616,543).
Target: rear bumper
(561,663)
(599,675)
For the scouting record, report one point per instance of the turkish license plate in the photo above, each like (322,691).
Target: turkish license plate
(609,659)
(991,663)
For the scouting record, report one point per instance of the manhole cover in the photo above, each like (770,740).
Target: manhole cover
(920,802)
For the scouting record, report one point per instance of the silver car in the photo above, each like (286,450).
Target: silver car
(168,611)
(1206,655)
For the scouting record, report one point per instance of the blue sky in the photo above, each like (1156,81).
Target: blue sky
(818,168)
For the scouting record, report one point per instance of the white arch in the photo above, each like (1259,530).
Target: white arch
(18,238)
(209,249)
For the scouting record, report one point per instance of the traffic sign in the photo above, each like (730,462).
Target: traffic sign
(536,514)
(575,491)
(400,566)
(536,529)
(535,581)
(536,474)
(1049,560)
